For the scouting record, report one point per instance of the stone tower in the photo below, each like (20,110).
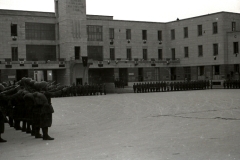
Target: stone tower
(71,27)
(71,39)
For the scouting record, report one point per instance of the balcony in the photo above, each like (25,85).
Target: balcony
(34,64)
(135,62)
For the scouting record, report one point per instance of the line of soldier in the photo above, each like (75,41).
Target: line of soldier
(26,106)
(231,84)
(119,83)
(85,90)
(170,86)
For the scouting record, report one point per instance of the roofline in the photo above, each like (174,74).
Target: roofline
(41,13)
(222,12)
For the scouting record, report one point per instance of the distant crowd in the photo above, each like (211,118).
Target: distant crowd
(85,90)
(163,86)
(231,84)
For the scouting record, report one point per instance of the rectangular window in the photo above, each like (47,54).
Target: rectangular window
(216,70)
(200,51)
(95,53)
(215,28)
(187,73)
(14,30)
(233,26)
(160,35)
(144,34)
(200,30)
(172,34)
(129,53)
(160,54)
(128,34)
(173,54)
(111,33)
(77,51)
(236,68)
(215,49)
(235,47)
(40,31)
(41,52)
(186,52)
(14,53)
(145,57)
(185,32)
(95,33)
(201,71)
(112,53)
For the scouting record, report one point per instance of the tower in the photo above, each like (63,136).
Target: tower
(71,28)
(71,39)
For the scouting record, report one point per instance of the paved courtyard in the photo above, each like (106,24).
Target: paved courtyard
(183,125)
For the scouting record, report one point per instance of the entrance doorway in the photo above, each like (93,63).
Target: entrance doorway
(79,81)
(21,73)
(140,74)
(123,75)
(173,74)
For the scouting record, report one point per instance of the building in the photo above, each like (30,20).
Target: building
(69,46)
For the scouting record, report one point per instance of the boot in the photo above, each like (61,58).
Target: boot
(28,131)
(11,122)
(33,130)
(37,133)
(17,125)
(45,134)
(2,140)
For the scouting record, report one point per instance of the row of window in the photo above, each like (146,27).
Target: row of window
(44,31)
(95,52)
(95,33)
(36,52)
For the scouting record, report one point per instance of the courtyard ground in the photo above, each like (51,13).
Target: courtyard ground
(182,125)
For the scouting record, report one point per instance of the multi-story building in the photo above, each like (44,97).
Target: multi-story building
(69,46)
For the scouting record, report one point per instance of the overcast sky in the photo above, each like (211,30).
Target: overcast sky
(138,10)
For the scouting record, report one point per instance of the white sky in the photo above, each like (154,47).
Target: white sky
(138,10)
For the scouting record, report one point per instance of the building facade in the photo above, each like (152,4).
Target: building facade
(69,46)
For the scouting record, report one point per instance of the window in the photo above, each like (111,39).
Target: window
(160,35)
(14,53)
(145,54)
(215,28)
(77,51)
(40,31)
(200,30)
(41,52)
(233,26)
(236,68)
(172,34)
(215,49)
(112,53)
(216,70)
(14,30)
(201,71)
(185,32)
(95,53)
(144,34)
(160,54)
(173,54)
(95,33)
(200,51)
(187,73)
(128,34)
(111,33)
(186,52)
(129,53)
(235,47)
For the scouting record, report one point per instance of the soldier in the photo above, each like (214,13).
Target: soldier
(1,126)
(134,87)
